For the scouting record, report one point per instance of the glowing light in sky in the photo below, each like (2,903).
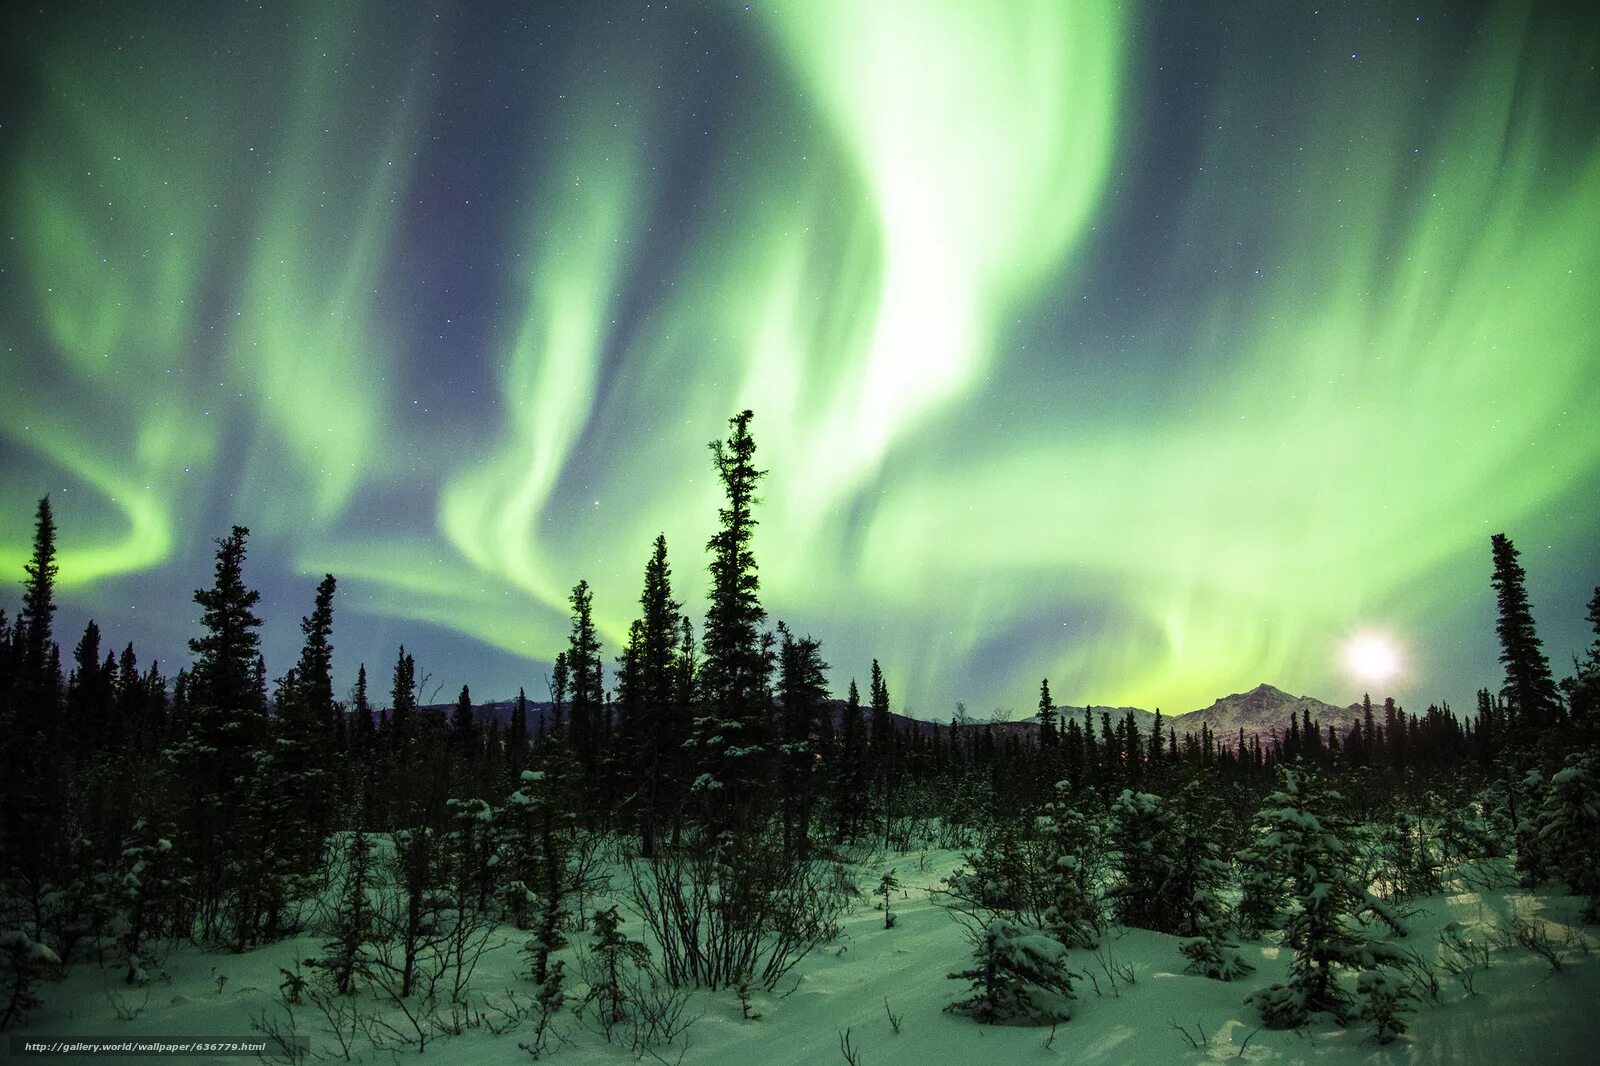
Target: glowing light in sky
(1372,658)
(1072,354)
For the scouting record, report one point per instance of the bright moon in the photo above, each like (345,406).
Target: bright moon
(1372,658)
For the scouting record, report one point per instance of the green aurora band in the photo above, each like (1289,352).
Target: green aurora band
(884,251)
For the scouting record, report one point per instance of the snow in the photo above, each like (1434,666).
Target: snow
(1523,1010)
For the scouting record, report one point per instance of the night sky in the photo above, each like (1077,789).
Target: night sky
(1160,350)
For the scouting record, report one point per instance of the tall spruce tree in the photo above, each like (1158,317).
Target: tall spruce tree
(301,760)
(38,677)
(517,735)
(588,683)
(1048,735)
(885,762)
(664,722)
(732,735)
(212,766)
(225,673)
(35,789)
(1529,687)
(314,692)
(850,778)
(363,727)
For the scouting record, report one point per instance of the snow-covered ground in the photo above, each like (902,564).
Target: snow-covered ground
(1524,1011)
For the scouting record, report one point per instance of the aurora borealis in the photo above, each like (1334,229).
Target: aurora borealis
(1158,349)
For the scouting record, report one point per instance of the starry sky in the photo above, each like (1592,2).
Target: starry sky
(1159,349)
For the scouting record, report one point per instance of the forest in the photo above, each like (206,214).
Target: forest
(692,819)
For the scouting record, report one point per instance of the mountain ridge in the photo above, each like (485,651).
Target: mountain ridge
(1261,712)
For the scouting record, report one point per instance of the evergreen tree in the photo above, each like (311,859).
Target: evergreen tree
(1145,850)
(301,758)
(1300,842)
(1074,852)
(89,694)
(1583,687)
(560,687)
(38,681)
(850,788)
(587,679)
(1047,717)
(211,768)
(664,714)
(364,728)
(804,686)
(1019,976)
(1562,837)
(225,674)
(34,789)
(882,751)
(1529,687)
(732,736)
(461,731)
(517,734)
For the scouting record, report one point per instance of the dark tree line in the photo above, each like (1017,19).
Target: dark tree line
(213,806)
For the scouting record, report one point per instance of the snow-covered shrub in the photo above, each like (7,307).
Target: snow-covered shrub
(149,888)
(24,962)
(1144,833)
(1280,1006)
(1215,955)
(1563,837)
(1168,861)
(1198,870)
(1019,977)
(1075,853)
(1262,895)
(1299,842)
(1383,1000)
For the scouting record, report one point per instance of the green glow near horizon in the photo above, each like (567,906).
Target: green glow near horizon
(884,246)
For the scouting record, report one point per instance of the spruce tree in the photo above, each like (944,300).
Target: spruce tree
(732,735)
(883,755)
(1300,846)
(1583,687)
(804,687)
(587,680)
(225,673)
(664,717)
(33,794)
(461,732)
(1047,718)
(89,694)
(517,734)
(38,682)
(363,727)
(849,790)
(301,758)
(1529,687)
(211,767)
